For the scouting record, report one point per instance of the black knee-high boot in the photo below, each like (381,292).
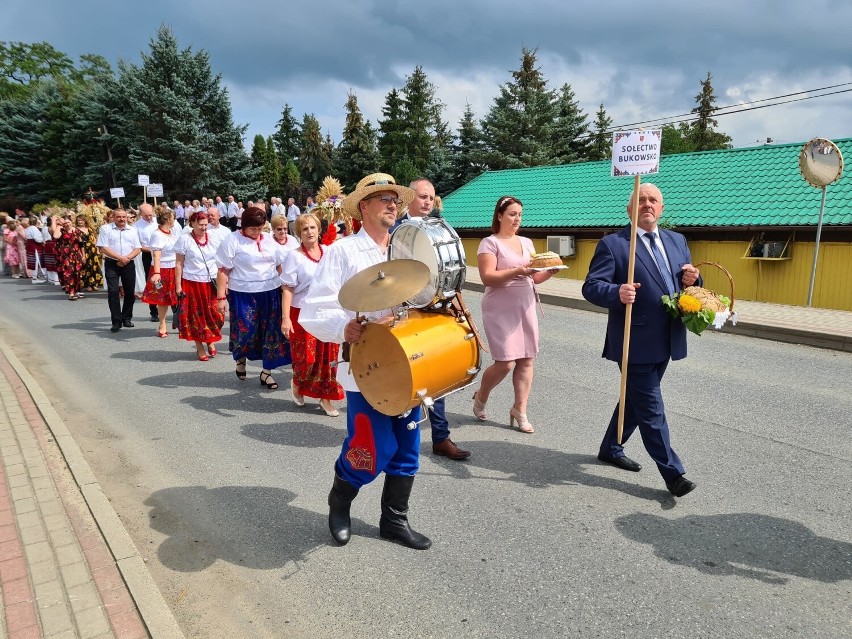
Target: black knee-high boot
(394,521)
(339,500)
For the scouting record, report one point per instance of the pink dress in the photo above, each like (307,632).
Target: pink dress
(508,311)
(12,257)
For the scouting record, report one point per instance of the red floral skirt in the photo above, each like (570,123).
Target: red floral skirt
(313,373)
(165,296)
(200,320)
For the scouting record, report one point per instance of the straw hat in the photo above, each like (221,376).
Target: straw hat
(376,183)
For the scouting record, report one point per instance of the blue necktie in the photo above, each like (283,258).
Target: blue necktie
(661,262)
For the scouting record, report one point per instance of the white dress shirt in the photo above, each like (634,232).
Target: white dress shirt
(120,241)
(145,230)
(253,264)
(322,315)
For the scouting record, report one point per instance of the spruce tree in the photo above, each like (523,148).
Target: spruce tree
(272,169)
(600,147)
(356,155)
(703,137)
(287,136)
(22,161)
(467,156)
(570,130)
(264,158)
(176,124)
(392,141)
(314,163)
(518,130)
(421,115)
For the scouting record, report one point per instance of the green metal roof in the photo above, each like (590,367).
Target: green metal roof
(756,186)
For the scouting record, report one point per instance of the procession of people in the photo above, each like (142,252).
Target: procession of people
(287,289)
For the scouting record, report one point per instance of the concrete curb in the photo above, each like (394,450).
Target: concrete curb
(788,335)
(153,609)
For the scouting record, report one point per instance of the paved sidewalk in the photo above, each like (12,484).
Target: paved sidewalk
(58,575)
(819,327)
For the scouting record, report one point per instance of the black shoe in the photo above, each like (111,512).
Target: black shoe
(339,500)
(622,462)
(394,521)
(115,328)
(127,324)
(154,318)
(680,486)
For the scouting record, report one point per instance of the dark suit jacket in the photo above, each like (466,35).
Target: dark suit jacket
(655,336)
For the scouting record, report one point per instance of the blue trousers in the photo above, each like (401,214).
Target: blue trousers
(644,409)
(438,419)
(375,443)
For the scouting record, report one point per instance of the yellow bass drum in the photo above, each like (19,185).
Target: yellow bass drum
(414,360)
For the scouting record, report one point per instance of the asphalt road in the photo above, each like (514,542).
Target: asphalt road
(223,484)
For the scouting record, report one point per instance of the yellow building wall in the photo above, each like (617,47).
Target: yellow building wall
(774,281)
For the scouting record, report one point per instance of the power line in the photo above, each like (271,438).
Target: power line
(691,115)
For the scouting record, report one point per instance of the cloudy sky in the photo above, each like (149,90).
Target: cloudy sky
(641,60)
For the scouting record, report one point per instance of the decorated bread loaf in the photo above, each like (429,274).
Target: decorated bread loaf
(547,259)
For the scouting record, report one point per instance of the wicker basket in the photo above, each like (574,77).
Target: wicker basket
(706,295)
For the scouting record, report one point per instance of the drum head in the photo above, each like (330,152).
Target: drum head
(434,243)
(380,365)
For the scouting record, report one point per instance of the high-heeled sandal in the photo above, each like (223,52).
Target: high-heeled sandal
(241,372)
(298,400)
(329,409)
(523,424)
(212,350)
(479,408)
(164,334)
(265,376)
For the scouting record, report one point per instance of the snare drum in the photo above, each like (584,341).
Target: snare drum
(432,241)
(425,355)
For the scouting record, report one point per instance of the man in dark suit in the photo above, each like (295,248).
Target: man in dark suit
(663,266)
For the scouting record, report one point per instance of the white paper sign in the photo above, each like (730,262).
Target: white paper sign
(142,180)
(636,152)
(116,193)
(155,190)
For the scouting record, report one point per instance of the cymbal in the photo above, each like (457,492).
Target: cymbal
(384,285)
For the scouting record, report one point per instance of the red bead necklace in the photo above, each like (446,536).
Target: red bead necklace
(308,255)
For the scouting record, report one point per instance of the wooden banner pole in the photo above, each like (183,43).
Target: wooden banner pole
(631,264)
(145,193)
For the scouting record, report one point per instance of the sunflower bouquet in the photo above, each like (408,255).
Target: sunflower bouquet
(699,307)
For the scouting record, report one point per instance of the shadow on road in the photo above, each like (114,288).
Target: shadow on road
(543,467)
(300,434)
(158,354)
(742,545)
(252,526)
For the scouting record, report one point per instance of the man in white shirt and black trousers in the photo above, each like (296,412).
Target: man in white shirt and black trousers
(119,244)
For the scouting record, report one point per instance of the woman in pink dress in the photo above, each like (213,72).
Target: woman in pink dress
(12,257)
(508,309)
